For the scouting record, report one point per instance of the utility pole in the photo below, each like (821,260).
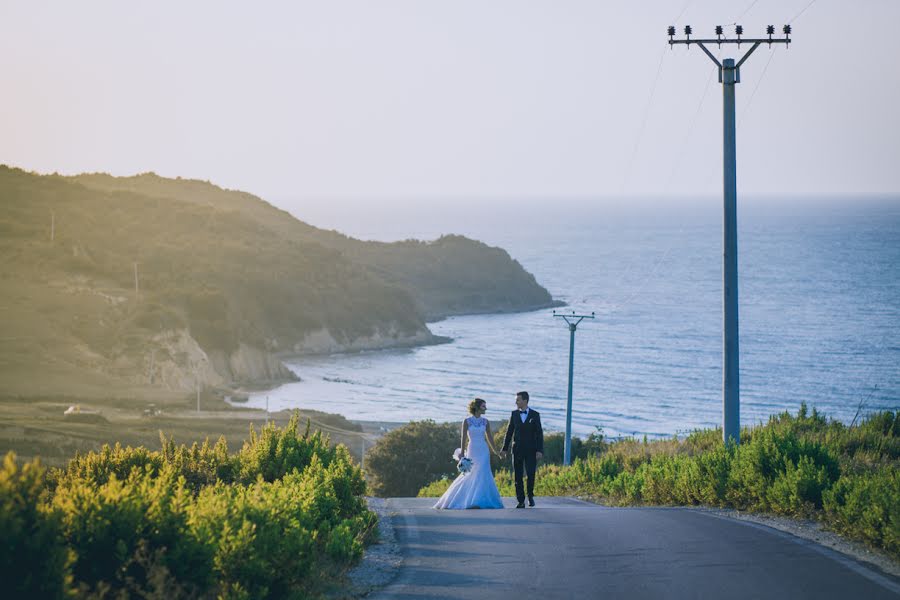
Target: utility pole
(52,226)
(135,279)
(729,76)
(573,320)
(197,376)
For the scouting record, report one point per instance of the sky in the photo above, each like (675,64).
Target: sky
(341,101)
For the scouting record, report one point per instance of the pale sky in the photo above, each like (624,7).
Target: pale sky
(425,99)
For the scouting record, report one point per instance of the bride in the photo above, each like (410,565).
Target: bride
(476,488)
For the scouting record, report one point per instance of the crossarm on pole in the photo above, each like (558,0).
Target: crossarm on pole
(746,56)
(710,55)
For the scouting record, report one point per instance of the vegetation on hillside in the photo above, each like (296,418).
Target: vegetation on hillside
(448,276)
(145,280)
(802,466)
(280,518)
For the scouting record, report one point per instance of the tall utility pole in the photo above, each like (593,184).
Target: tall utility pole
(729,75)
(573,320)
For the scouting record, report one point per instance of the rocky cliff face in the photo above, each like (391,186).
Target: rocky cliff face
(178,363)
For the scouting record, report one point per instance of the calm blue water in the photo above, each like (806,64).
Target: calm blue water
(819,316)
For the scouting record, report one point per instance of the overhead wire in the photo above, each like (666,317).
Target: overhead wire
(755,88)
(805,8)
(683,10)
(657,264)
(637,142)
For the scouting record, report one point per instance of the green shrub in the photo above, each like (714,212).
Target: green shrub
(34,562)
(276,451)
(275,538)
(867,506)
(280,518)
(106,524)
(410,457)
(773,454)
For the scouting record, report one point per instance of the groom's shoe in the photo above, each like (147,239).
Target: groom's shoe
(521,504)
(531,502)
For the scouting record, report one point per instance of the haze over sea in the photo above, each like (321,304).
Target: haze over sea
(819,297)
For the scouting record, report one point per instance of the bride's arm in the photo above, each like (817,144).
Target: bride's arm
(490,438)
(463,432)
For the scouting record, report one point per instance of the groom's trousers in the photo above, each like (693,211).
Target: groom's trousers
(524,463)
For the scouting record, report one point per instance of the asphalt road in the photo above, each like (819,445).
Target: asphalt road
(565,548)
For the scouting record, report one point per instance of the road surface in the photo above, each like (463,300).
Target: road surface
(565,548)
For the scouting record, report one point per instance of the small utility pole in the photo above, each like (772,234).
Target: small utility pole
(52,226)
(729,75)
(197,376)
(135,279)
(573,320)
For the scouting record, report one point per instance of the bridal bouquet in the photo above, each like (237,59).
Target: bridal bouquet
(464,463)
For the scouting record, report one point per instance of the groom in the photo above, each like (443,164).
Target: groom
(527,439)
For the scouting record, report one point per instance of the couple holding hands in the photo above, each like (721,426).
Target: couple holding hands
(475,488)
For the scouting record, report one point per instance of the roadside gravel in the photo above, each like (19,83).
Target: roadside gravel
(382,560)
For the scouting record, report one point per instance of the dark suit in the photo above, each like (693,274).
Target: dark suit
(527,439)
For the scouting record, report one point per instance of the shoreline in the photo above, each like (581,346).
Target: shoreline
(257,387)
(443,317)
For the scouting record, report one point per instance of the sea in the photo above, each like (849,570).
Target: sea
(819,304)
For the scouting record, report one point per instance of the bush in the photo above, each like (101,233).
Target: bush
(107,523)
(867,506)
(280,518)
(271,539)
(34,562)
(276,451)
(410,457)
(780,471)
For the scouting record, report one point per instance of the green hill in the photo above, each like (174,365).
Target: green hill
(449,276)
(114,284)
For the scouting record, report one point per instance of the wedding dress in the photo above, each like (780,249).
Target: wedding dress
(475,489)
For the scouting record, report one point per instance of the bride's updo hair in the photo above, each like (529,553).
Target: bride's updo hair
(474,404)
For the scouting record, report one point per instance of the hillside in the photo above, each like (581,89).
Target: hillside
(449,276)
(225,282)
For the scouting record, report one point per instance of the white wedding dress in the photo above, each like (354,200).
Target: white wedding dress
(475,489)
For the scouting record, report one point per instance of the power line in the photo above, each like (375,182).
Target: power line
(637,142)
(756,87)
(683,10)
(802,11)
(691,127)
(746,10)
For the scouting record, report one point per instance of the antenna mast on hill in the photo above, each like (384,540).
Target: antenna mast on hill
(729,75)
(573,320)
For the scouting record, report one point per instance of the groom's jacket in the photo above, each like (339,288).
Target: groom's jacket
(525,437)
